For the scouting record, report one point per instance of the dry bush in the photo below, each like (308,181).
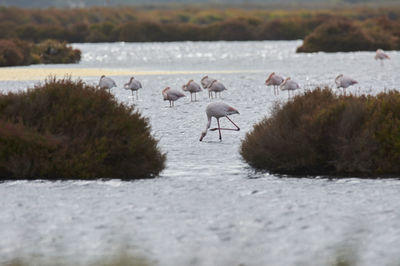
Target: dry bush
(55,52)
(69,130)
(10,54)
(336,35)
(321,133)
(17,52)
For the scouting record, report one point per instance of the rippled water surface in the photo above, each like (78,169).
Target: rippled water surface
(208,207)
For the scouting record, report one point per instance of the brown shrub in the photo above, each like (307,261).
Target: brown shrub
(70,130)
(336,35)
(321,133)
(55,52)
(230,30)
(10,54)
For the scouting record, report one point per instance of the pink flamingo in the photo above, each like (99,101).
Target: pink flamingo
(192,87)
(218,110)
(205,83)
(106,83)
(289,85)
(344,82)
(171,95)
(216,86)
(274,80)
(133,85)
(381,55)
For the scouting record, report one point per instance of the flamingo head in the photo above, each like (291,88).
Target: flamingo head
(203,134)
(269,78)
(232,111)
(203,81)
(284,82)
(164,93)
(337,80)
(103,76)
(184,87)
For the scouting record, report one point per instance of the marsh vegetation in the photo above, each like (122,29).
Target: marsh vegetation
(321,133)
(66,129)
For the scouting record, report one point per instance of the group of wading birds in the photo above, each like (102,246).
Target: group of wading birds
(221,109)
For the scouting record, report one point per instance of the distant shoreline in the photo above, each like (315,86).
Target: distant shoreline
(373,27)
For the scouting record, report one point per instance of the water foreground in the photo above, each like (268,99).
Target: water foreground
(208,207)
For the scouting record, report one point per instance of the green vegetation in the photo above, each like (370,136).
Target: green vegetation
(368,27)
(319,133)
(66,129)
(18,52)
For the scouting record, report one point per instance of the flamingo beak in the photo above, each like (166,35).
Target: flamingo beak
(203,134)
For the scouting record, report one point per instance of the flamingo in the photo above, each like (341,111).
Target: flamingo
(274,80)
(171,95)
(344,82)
(216,87)
(381,55)
(289,85)
(106,83)
(218,110)
(206,82)
(192,87)
(133,85)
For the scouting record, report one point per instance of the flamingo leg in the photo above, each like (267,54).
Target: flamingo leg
(195,97)
(137,96)
(219,129)
(237,128)
(233,129)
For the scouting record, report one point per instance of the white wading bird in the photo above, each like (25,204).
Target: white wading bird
(289,85)
(106,83)
(381,55)
(133,85)
(216,87)
(218,110)
(205,83)
(192,87)
(344,82)
(274,80)
(171,95)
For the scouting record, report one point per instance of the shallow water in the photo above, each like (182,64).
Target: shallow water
(208,207)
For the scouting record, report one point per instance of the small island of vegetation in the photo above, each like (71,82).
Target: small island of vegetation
(66,129)
(17,52)
(320,133)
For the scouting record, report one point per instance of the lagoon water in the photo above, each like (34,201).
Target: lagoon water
(207,207)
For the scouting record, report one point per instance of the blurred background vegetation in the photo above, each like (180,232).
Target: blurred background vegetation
(330,26)
(85,3)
